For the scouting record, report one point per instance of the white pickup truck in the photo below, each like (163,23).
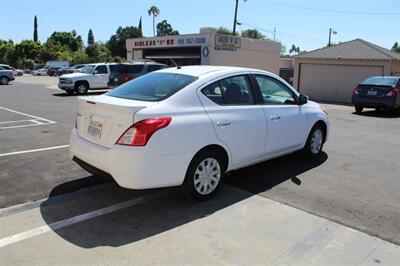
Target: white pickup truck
(92,76)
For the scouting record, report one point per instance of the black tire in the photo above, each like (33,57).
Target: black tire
(4,80)
(359,109)
(188,185)
(81,88)
(311,151)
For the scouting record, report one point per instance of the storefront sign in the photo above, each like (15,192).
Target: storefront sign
(227,41)
(170,41)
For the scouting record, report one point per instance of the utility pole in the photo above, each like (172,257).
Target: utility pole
(330,33)
(274,33)
(235,18)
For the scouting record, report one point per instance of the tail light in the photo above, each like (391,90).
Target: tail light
(139,133)
(393,92)
(355,91)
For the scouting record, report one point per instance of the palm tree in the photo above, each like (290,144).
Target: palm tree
(155,12)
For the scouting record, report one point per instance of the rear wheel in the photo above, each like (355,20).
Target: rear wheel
(359,109)
(204,175)
(315,142)
(4,80)
(81,88)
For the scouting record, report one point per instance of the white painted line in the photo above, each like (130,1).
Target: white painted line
(77,219)
(21,113)
(35,150)
(37,122)
(33,125)
(15,121)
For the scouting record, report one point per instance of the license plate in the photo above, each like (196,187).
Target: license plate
(94,129)
(372,93)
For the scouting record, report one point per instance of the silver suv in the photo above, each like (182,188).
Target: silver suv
(6,75)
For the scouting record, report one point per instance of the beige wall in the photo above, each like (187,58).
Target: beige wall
(396,68)
(258,54)
(252,53)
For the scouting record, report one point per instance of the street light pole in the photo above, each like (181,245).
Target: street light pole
(330,33)
(235,18)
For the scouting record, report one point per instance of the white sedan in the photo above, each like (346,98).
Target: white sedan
(187,126)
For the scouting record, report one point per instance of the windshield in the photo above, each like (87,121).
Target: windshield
(152,87)
(87,69)
(381,81)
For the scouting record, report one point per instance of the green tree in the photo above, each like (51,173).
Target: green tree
(8,54)
(49,51)
(80,57)
(69,39)
(35,29)
(294,49)
(90,37)
(117,42)
(164,28)
(28,49)
(154,11)
(252,34)
(396,47)
(226,31)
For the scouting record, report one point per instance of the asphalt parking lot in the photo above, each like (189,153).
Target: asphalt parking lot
(352,189)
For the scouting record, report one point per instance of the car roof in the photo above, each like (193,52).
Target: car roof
(201,70)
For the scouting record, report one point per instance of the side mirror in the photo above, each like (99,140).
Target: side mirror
(303,99)
(95,72)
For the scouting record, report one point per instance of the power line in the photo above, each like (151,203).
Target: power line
(333,10)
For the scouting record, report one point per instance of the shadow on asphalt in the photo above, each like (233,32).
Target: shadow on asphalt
(160,215)
(64,94)
(380,114)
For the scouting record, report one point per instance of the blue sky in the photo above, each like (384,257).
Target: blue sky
(300,22)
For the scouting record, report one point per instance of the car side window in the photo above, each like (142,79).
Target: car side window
(230,91)
(274,92)
(101,70)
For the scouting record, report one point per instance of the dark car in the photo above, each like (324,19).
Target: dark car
(377,92)
(121,73)
(53,71)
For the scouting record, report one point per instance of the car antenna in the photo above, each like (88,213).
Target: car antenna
(173,62)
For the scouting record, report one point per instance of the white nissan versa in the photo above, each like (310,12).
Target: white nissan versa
(189,125)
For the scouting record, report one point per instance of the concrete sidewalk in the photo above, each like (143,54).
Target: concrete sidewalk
(163,227)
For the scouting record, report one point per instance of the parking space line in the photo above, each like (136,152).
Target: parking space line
(32,116)
(35,150)
(16,121)
(79,218)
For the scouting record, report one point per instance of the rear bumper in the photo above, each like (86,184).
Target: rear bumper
(131,167)
(375,102)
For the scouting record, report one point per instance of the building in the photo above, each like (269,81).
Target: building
(207,48)
(331,73)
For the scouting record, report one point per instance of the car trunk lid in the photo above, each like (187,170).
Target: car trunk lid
(103,119)
(373,90)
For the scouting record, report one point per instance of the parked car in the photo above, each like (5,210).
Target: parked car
(53,71)
(40,72)
(187,126)
(121,73)
(377,92)
(6,75)
(92,76)
(16,72)
(63,70)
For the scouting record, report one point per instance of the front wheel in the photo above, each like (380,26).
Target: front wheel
(204,175)
(81,88)
(315,142)
(359,109)
(4,80)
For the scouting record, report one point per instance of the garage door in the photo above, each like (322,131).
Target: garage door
(333,82)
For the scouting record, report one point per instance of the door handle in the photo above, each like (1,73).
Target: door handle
(275,117)
(223,123)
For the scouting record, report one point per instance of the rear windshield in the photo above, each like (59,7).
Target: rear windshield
(381,81)
(126,68)
(152,87)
